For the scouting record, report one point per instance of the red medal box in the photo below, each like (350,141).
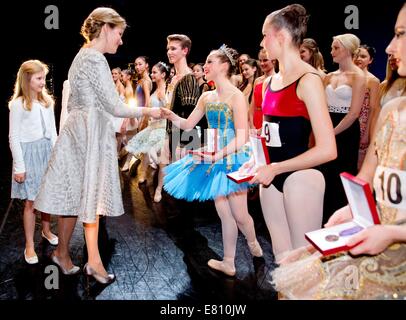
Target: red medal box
(261,157)
(360,199)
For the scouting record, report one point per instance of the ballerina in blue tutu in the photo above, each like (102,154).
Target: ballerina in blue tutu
(203,176)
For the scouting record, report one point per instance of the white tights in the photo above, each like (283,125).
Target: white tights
(299,209)
(233,212)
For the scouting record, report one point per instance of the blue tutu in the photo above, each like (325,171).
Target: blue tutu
(191,180)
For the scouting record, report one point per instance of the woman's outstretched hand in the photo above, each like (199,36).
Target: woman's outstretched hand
(167,114)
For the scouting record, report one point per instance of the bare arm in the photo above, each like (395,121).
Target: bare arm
(375,111)
(311,91)
(358,94)
(146,88)
(373,103)
(252,107)
(370,163)
(189,123)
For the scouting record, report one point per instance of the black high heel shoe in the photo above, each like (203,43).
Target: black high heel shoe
(87,270)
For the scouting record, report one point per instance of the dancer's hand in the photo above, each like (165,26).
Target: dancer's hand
(248,167)
(340,216)
(154,113)
(372,240)
(264,175)
(167,114)
(255,131)
(19,177)
(207,157)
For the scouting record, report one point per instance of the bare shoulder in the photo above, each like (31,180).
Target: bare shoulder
(358,73)
(205,97)
(266,80)
(310,85)
(236,94)
(258,80)
(330,76)
(372,80)
(310,79)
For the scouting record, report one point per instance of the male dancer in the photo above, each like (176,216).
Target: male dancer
(182,95)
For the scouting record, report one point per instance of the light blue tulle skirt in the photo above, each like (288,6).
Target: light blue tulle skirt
(192,180)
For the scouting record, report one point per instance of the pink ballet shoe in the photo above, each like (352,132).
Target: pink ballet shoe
(157,196)
(222,266)
(255,249)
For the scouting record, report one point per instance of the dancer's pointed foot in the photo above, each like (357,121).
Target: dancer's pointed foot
(158,195)
(227,267)
(255,248)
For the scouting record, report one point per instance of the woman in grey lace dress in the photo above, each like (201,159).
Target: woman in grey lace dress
(82,178)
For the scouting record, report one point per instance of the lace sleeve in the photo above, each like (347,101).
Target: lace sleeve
(103,85)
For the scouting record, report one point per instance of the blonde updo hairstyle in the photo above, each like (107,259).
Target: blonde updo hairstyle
(93,24)
(349,41)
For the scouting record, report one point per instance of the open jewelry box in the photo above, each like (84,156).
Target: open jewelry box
(261,157)
(334,239)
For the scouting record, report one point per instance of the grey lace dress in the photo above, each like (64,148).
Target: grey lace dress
(82,178)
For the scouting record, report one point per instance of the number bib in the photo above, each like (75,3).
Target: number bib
(390,187)
(270,130)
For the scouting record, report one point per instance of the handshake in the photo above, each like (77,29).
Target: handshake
(160,113)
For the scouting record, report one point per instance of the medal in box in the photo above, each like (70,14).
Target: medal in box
(360,199)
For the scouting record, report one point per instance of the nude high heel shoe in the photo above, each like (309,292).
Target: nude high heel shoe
(69,272)
(89,271)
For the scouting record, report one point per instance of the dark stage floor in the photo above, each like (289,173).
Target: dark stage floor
(152,249)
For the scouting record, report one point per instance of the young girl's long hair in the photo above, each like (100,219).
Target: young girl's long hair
(22,84)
